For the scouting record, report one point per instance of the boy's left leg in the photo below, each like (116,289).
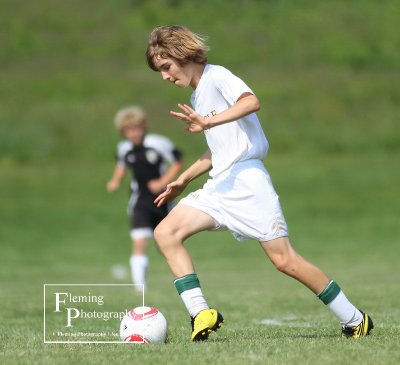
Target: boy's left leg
(281,253)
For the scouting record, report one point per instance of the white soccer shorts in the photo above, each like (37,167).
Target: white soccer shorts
(243,201)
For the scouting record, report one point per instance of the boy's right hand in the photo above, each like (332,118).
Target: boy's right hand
(112,185)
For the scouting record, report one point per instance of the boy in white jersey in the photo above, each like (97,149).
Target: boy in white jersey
(239,195)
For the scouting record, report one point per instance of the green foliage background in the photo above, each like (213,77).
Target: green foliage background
(327,74)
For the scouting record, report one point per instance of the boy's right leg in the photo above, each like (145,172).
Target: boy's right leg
(281,253)
(182,222)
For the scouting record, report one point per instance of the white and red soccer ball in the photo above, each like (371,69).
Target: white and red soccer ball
(144,325)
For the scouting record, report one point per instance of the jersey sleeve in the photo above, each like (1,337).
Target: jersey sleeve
(230,86)
(165,147)
(122,149)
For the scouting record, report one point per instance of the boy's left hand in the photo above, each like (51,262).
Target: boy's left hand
(195,123)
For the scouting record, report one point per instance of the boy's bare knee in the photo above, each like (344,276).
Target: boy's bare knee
(282,255)
(281,263)
(286,264)
(162,233)
(158,233)
(166,236)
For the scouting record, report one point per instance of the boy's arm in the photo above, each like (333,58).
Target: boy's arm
(246,104)
(113,184)
(158,185)
(175,188)
(172,171)
(198,168)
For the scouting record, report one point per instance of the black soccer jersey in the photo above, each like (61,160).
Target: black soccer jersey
(148,161)
(146,164)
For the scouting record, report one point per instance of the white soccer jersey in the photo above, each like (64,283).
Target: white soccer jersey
(239,195)
(232,142)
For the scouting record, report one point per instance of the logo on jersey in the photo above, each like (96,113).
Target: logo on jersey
(212,113)
(152,156)
(130,158)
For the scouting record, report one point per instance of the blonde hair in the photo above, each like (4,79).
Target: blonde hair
(132,116)
(178,42)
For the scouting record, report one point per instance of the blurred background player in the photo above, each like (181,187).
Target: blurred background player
(154,162)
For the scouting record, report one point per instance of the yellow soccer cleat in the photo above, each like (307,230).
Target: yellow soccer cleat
(361,330)
(204,323)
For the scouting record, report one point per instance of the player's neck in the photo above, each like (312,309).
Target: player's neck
(198,70)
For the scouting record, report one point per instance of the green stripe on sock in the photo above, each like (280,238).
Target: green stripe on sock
(330,292)
(187,282)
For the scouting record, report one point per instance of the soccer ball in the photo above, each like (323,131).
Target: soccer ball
(144,325)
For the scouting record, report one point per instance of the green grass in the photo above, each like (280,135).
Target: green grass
(327,75)
(341,213)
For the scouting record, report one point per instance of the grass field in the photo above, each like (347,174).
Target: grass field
(347,225)
(327,75)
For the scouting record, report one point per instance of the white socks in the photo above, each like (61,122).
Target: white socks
(194,301)
(334,298)
(346,312)
(139,264)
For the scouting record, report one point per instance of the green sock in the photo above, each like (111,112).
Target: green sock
(186,282)
(340,306)
(330,292)
(188,287)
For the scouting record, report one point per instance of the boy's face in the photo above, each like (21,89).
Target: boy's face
(172,71)
(134,134)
